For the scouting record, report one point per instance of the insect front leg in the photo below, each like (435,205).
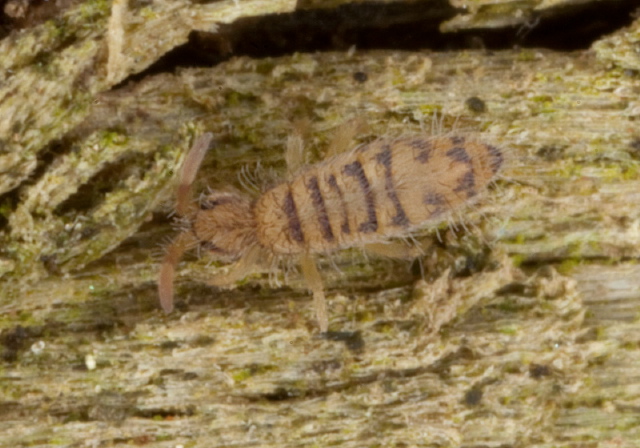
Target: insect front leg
(239,270)
(314,282)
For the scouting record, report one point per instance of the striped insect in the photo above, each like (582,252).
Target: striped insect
(365,197)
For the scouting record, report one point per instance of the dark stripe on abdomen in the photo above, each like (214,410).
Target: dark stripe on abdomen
(424,147)
(384,158)
(321,209)
(355,169)
(291,211)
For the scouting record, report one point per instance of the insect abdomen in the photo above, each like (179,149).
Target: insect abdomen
(383,189)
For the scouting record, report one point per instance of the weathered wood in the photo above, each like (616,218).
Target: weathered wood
(529,339)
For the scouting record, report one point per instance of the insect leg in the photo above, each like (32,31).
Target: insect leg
(344,135)
(294,155)
(243,267)
(314,282)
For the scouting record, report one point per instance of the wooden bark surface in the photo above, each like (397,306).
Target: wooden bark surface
(523,332)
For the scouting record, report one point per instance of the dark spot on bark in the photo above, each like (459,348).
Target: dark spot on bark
(360,77)
(352,339)
(475,104)
(539,370)
(473,397)
(550,153)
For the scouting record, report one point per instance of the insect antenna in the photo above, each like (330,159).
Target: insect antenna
(184,205)
(189,171)
(180,245)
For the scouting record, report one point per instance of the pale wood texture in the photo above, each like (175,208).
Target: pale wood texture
(524,332)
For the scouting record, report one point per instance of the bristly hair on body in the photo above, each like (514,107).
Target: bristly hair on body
(375,197)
